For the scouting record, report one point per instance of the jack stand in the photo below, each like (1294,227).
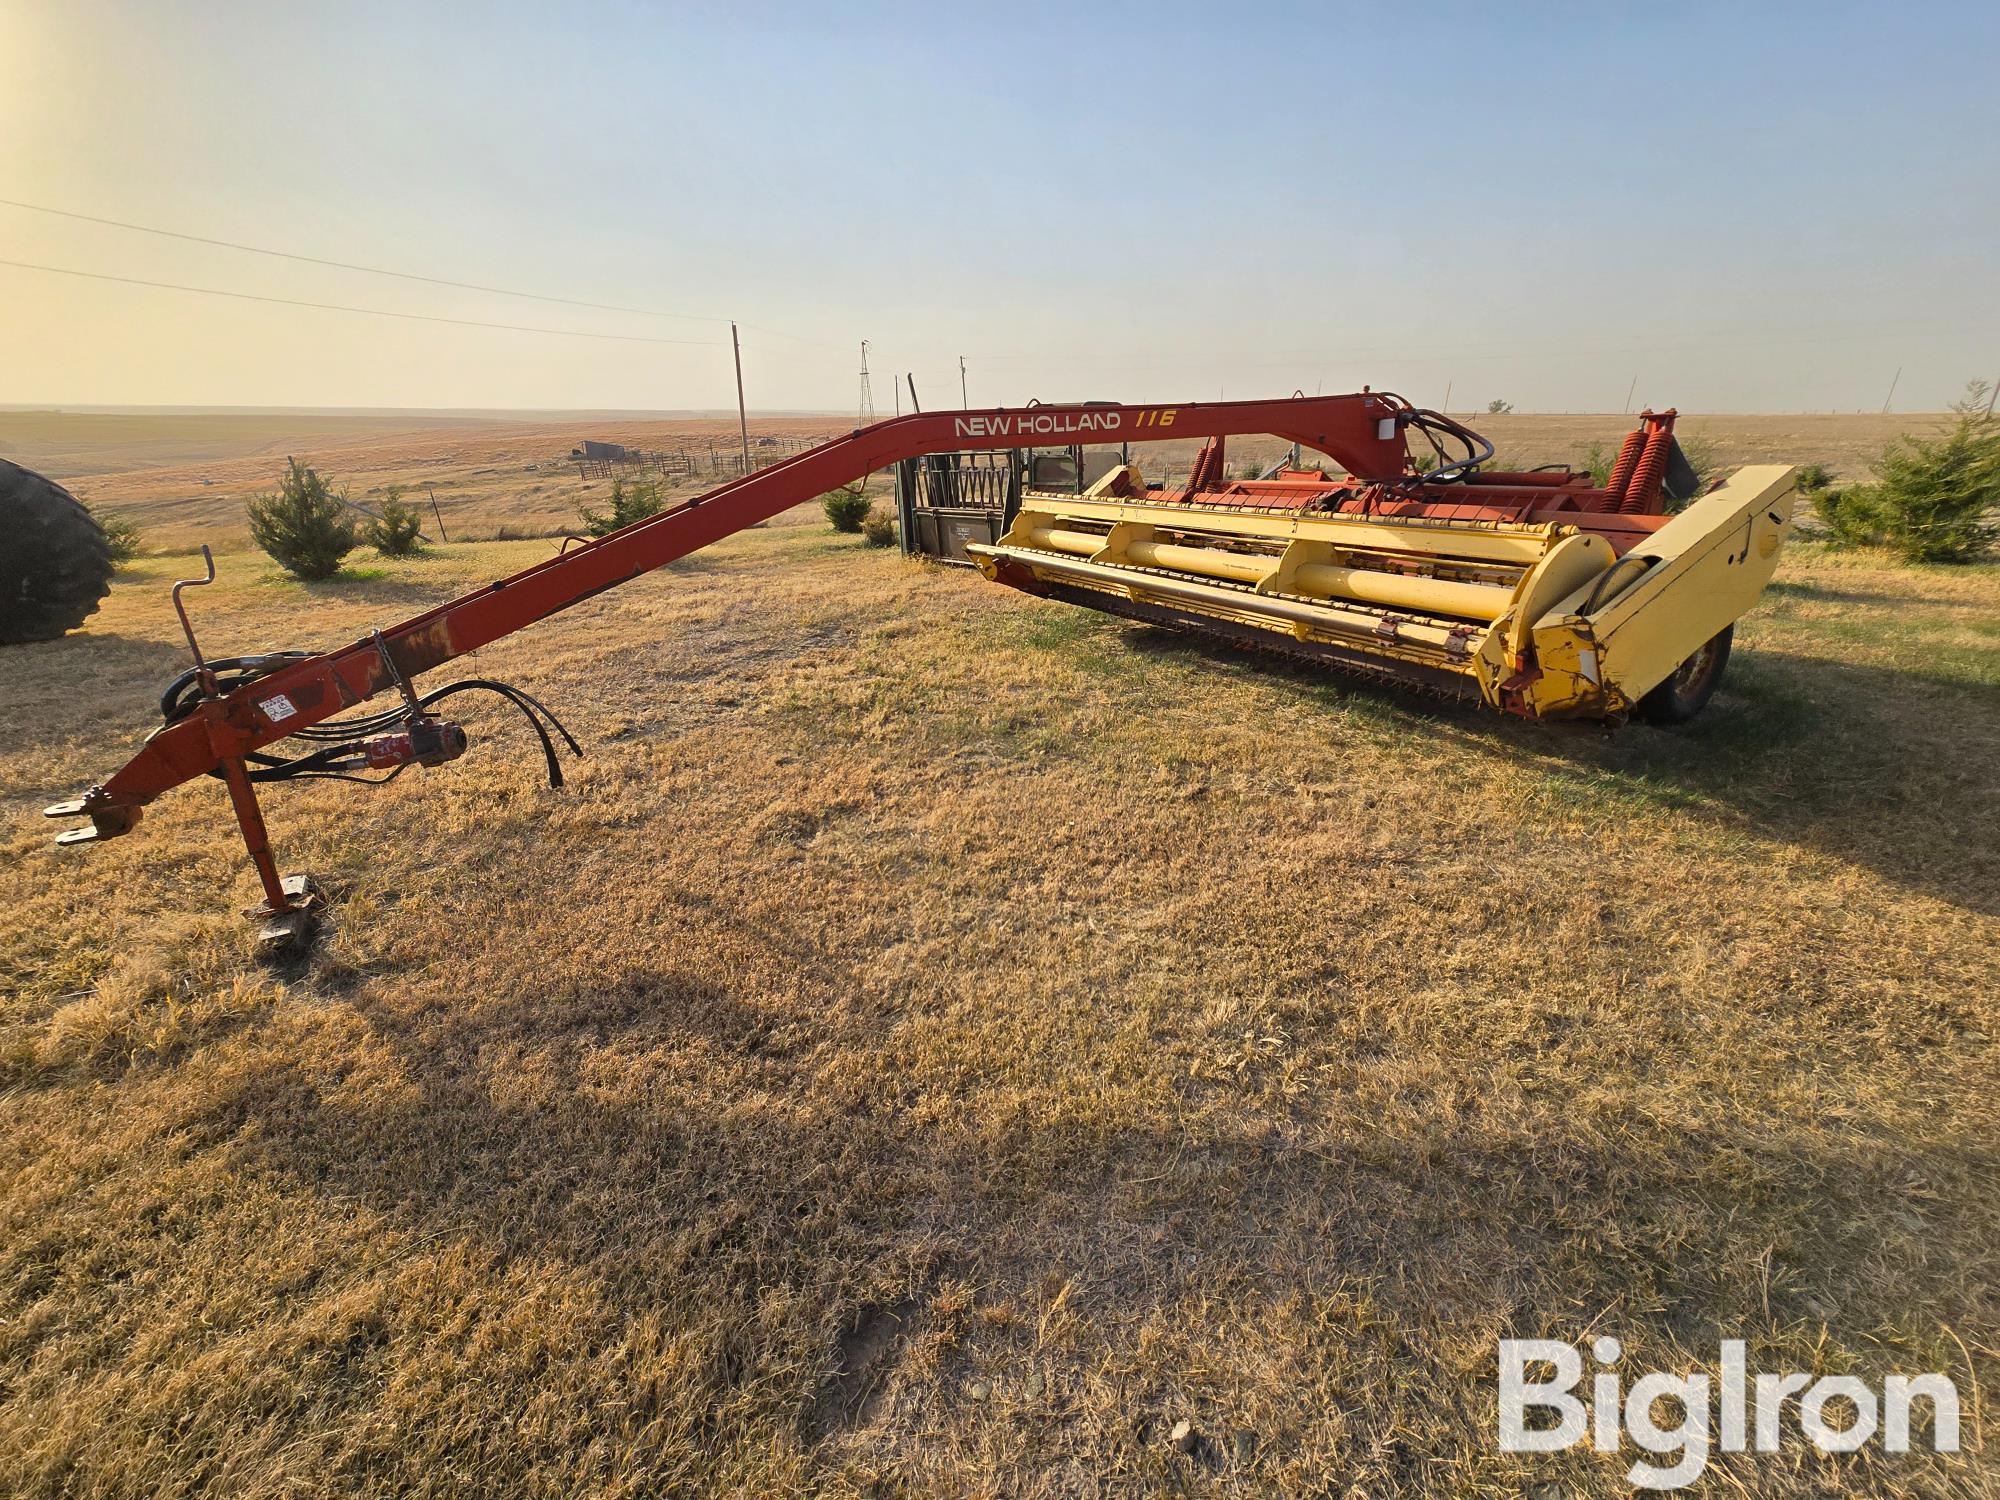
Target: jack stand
(289,930)
(292,904)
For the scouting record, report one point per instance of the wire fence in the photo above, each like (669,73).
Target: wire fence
(716,459)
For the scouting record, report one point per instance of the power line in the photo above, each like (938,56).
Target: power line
(372,312)
(464,286)
(343,265)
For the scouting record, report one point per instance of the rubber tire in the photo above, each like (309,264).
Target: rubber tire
(56,565)
(1676,701)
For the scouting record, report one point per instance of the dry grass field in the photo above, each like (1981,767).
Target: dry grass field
(180,446)
(940,1041)
(183,480)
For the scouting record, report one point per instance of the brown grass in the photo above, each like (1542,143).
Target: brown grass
(942,1040)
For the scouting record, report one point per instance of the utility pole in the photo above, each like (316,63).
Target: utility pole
(865,413)
(1892,391)
(742,416)
(1628,394)
(963,401)
(1446,408)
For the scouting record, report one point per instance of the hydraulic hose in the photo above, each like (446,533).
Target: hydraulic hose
(341,738)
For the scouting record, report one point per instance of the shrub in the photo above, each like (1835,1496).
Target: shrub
(629,503)
(121,538)
(1814,477)
(845,508)
(304,527)
(398,530)
(1933,498)
(1597,462)
(879,527)
(1700,454)
(1848,515)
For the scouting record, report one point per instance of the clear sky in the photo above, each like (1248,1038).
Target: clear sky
(1748,206)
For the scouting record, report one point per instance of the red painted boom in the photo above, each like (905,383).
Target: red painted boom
(1359,432)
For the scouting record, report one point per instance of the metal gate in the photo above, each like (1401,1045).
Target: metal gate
(945,500)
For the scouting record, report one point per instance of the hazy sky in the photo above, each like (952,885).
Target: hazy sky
(1750,207)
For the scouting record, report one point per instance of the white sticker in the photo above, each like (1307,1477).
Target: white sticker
(277,708)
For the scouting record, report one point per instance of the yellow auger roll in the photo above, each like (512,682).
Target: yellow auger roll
(1214,599)
(1474,601)
(1058,539)
(1477,601)
(1210,562)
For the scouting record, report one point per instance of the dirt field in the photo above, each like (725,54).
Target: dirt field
(941,1040)
(183,480)
(72,445)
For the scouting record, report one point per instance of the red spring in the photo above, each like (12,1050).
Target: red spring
(1628,459)
(1642,496)
(1207,473)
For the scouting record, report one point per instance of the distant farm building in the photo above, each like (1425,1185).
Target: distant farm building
(603,452)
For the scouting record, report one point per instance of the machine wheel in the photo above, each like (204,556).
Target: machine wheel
(1684,694)
(56,564)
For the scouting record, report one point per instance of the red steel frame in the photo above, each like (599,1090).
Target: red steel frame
(1362,433)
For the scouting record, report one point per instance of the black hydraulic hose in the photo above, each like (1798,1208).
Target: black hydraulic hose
(342,737)
(231,673)
(334,762)
(1431,423)
(531,708)
(1477,449)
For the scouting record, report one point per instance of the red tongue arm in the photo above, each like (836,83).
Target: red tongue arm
(1358,431)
